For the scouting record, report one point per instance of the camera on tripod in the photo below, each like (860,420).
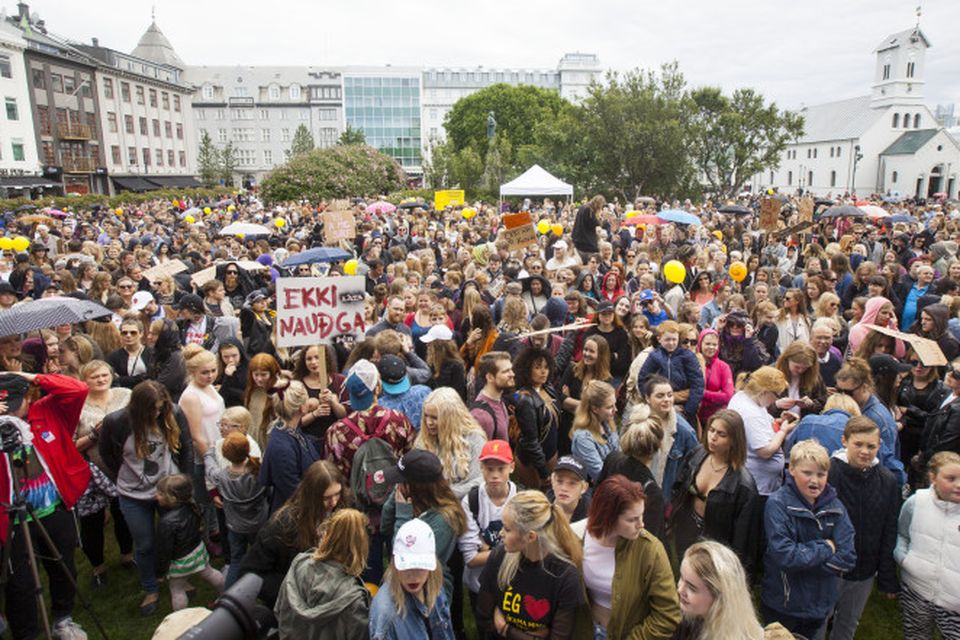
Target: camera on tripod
(10,439)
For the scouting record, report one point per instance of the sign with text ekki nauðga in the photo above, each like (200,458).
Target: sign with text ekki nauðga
(769,214)
(320,310)
(449,198)
(337,226)
(519,231)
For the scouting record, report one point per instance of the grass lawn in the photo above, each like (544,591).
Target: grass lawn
(116,605)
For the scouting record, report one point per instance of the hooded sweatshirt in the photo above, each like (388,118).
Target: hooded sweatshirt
(859,331)
(245,502)
(233,386)
(719,382)
(940,315)
(319,600)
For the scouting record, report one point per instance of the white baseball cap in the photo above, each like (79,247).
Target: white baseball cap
(437,332)
(560,244)
(140,300)
(414,547)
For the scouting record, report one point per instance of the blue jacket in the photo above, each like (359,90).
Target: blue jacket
(826,428)
(801,572)
(875,410)
(590,452)
(386,624)
(684,441)
(288,456)
(682,369)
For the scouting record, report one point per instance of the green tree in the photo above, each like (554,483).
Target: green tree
(734,138)
(208,161)
(302,141)
(341,171)
(352,136)
(436,164)
(495,166)
(466,170)
(228,163)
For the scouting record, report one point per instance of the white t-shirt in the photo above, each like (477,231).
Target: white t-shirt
(599,563)
(485,528)
(758,423)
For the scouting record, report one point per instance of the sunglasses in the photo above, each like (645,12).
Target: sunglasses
(736,323)
(955,374)
(688,342)
(232,273)
(125,286)
(850,392)
(129,333)
(916,363)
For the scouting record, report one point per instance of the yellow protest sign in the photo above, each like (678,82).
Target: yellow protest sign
(449,198)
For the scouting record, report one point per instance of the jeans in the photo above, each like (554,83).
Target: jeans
(202,497)
(92,530)
(239,543)
(853,598)
(374,571)
(21,606)
(140,516)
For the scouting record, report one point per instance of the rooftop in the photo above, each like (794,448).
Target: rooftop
(910,142)
(840,120)
(155,47)
(903,37)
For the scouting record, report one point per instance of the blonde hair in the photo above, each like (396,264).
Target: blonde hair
(763,379)
(594,394)
(431,588)
(532,513)
(343,539)
(942,459)
(732,614)
(241,416)
(195,357)
(843,402)
(809,451)
(454,425)
(643,435)
(294,397)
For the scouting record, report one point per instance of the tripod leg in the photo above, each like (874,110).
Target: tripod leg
(58,558)
(35,573)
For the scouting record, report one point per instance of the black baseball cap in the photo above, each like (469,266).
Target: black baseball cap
(13,389)
(393,374)
(416,465)
(190,302)
(604,305)
(883,363)
(571,464)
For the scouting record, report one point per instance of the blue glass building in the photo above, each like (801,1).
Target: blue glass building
(387,109)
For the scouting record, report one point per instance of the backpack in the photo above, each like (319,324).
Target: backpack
(369,462)
(513,427)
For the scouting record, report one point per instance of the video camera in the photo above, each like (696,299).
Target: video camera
(237,615)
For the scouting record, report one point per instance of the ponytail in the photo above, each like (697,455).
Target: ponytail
(567,541)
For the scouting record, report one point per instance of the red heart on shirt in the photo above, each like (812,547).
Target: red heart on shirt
(536,608)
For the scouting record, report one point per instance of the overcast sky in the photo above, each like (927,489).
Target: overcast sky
(794,51)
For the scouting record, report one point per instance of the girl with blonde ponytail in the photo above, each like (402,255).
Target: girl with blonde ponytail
(530,585)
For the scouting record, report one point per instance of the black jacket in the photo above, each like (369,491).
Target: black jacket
(178,533)
(257,334)
(620,354)
(452,374)
(942,432)
(116,430)
(538,430)
(271,555)
(119,360)
(653,507)
(732,515)
(872,500)
(232,387)
(585,230)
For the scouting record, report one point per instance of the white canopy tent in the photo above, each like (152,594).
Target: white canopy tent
(536,181)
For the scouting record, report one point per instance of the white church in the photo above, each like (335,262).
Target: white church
(887,142)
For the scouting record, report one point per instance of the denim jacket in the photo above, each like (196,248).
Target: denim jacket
(387,624)
(684,441)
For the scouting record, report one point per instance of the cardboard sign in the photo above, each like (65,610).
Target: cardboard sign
(319,310)
(769,214)
(200,278)
(171,268)
(519,231)
(444,199)
(806,209)
(338,225)
(927,350)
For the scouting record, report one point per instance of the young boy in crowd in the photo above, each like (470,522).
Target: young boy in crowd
(483,505)
(871,494)
(568,488)
(810,544)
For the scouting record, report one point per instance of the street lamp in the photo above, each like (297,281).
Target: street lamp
(857,157)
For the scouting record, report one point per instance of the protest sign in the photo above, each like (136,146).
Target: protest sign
(444,199)
(200,278)
(927,350)
(319,310)
(338,225)
(806,209)
(171,268)
(769,214)
(519,231)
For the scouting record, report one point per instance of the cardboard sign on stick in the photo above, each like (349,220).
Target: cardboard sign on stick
(806,209)
(171,268)
(769,214)
(338,225)
(927,350)
(519,231)
(318,310)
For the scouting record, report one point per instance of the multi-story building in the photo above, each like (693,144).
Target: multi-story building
(384,103)
(19,164)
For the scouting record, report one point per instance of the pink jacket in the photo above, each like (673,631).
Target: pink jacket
(718,389)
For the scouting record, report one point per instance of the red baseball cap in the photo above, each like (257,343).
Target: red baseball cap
(497,450)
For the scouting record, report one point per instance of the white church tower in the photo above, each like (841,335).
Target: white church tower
(898,78)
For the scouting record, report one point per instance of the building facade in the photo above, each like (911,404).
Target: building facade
(888,142)
(385,104)
(19,163)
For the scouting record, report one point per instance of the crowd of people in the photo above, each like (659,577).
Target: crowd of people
(622,431)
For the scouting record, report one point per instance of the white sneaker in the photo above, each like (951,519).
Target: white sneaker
(67,629)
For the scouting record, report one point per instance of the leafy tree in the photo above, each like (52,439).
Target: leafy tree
(341,171)
(352,136)
(208,161)
(436,164)
(732,139)
(302,141)
(466,170)
(496,166)
(228,163)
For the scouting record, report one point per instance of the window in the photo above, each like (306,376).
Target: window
(906,121)
(39,80)
(268,157)
(179,131)
(916,121)
(240,92)
(283,114)
(911,68)
(18,151)
(128,124)
(264,114)
(176,103)
(207,92)
(294,92)
(221,135)
(810,178)
(242,135)
(168,129)
(165,101)
(125,92)
(146,156)
(158,154)
(221,114)
(833,178)
(131,155)
(12,113)
(893,178)
(56,82)
(112,122)
(814,153)
(170,158)
(886,71)
(264,135)
(182,156)
(838,151)
(896,120)
(285,135)
(143,127)
(115,154)
(789,177)
(153,97)
(200,113)
(140,96)
(274,92)
(831,151)
(6,71)
(108,88)
(331,114)
(69,85)
(156,127)
(304,114)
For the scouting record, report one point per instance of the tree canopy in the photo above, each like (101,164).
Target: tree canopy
(352,136)
(302,141)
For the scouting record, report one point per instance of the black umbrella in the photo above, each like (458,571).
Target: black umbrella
(822,201)
(412,205)
(48,312)
(735,209)
(843,211)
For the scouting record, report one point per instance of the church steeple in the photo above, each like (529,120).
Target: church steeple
(898,77)
(154,46)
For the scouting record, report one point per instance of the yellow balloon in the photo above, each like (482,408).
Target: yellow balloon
(631,214)
(241,236)
(718,234)
(557,229)
(543,226)
(190,219)
(175,203)
(280,223)
(21,244)
(118,211)
(350,267)
(737,271)
(207,210)
(231,208)
(468,214)
(674,271)
(6,244)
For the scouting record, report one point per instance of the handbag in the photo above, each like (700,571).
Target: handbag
(99,493)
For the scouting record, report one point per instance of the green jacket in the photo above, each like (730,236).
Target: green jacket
(645,605)
(320,601)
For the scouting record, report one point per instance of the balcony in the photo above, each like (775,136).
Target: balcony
(74,131)
(79,164)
